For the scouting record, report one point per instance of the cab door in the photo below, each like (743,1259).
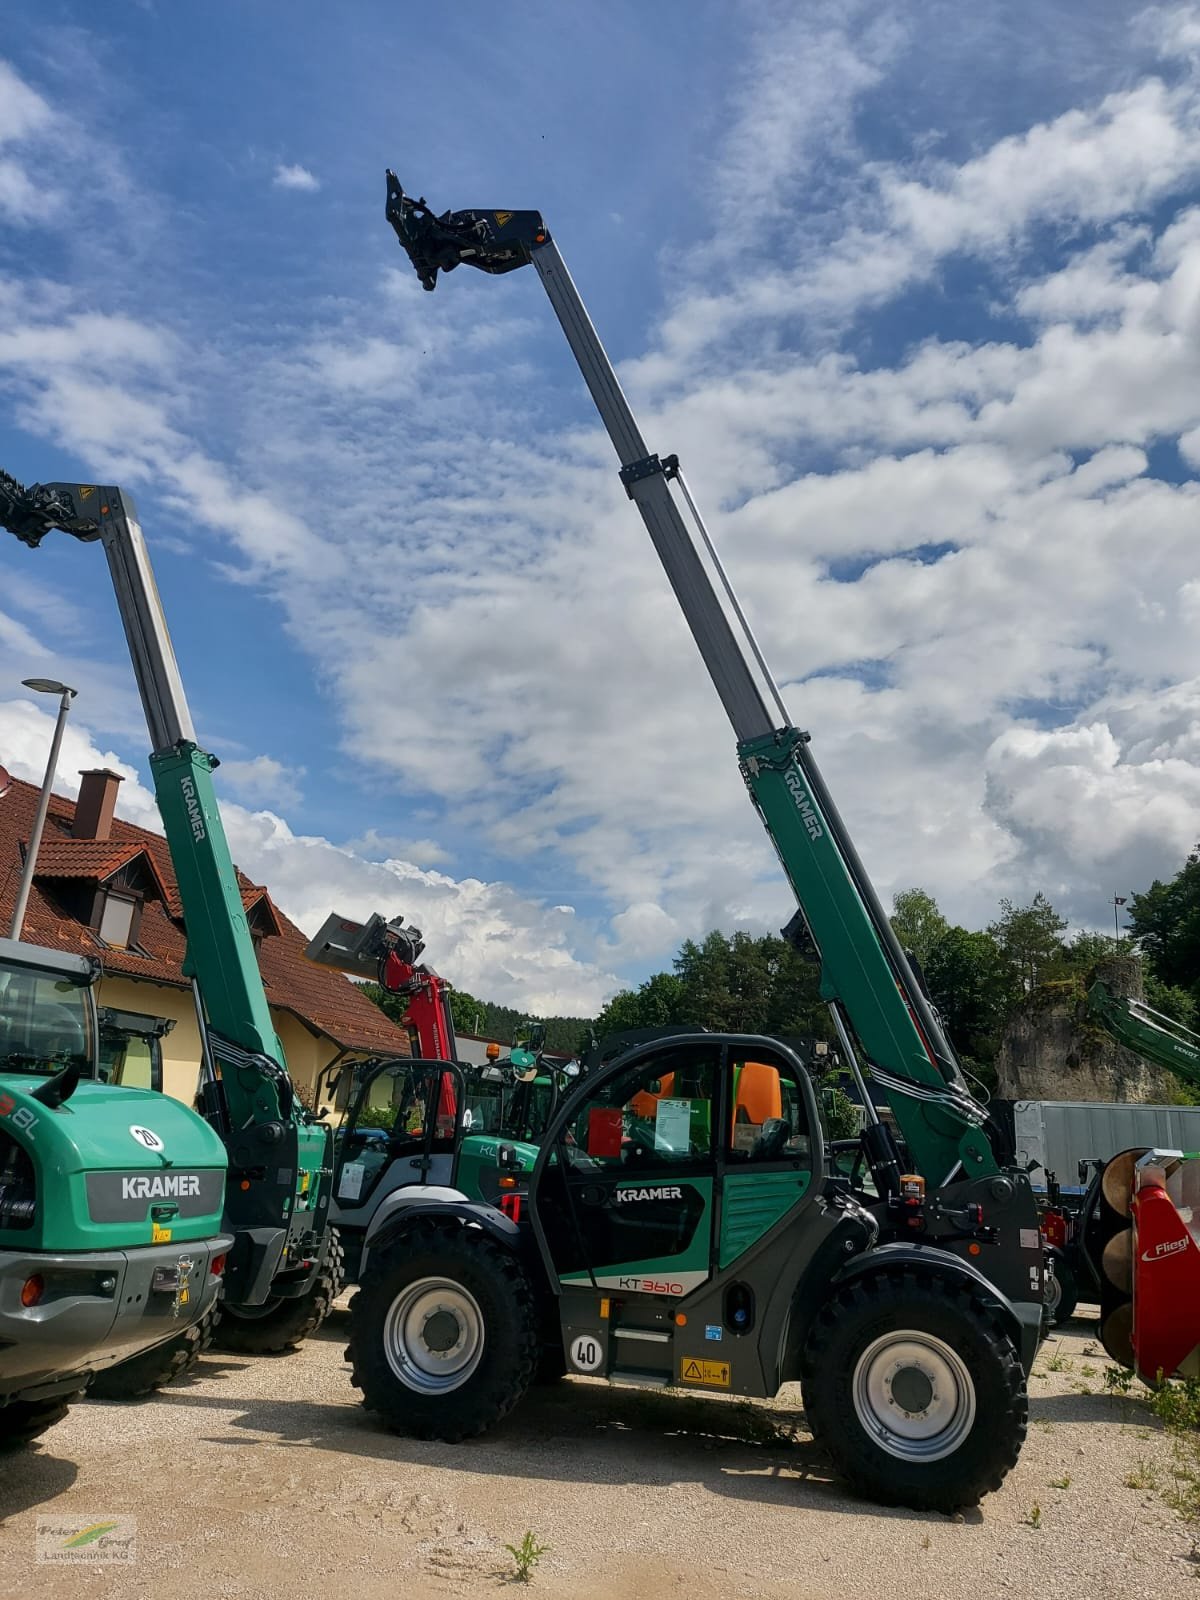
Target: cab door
(403,1128)
(624,1199)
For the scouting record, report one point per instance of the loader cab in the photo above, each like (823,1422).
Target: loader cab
(403,1127)
(131,1050)
(47,1011)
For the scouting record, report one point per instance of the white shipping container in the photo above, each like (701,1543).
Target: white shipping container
(1061,1133)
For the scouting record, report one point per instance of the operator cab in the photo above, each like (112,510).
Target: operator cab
(47,1011)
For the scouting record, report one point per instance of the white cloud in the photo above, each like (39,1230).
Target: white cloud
(485,937)
(295,177)
(985,687)
(262,780)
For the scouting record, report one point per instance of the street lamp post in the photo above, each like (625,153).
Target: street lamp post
(42,686)
(1118,902)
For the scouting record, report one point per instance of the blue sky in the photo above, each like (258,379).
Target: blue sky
(909,290)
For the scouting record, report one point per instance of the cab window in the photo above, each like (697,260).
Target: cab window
(657,1113)
(768,1116)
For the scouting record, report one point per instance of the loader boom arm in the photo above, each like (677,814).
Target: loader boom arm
(884,1021)
(1150,1033)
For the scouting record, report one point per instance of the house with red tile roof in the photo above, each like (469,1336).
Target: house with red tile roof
(105,887)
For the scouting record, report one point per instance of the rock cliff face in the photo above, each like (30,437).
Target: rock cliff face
(1051,1051)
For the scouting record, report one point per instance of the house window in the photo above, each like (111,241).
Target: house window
(116,921)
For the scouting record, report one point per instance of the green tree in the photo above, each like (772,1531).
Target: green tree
(1030,938)
(1171,1000)
(974,988)
(703,971)
(466,1011)
(917,923)
(1082,952)
(1166,924)
(654,1004)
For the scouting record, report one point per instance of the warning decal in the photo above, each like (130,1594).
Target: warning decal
(714,1373)
(86,491)
(502,217)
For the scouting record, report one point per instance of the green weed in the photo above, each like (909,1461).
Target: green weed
(526,1556)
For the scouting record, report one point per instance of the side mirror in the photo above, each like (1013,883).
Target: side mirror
(537,1037)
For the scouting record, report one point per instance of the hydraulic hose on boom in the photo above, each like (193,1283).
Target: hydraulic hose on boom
(280,1162)
(884,1021)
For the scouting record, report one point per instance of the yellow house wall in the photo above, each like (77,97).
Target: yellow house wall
(305,1053)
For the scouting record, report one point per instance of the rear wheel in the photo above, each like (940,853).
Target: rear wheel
(24,1420)
(443,1331)
(282,1323)
(150,1370)
(1061,1292)
(915,1391)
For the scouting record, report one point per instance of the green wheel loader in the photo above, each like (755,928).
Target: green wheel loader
(112,1247)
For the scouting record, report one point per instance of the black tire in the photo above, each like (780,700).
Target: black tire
(495,1320)
(143,1374)
(959,1344)
(282,1323)
(24,1420)
(1061,1292)
(551,1364)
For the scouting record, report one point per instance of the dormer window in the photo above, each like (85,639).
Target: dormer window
(118,920)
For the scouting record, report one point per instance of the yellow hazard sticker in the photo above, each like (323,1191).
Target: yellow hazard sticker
(159,1235)
(713,1373)
(502,217)
(86,491)
(184,1297)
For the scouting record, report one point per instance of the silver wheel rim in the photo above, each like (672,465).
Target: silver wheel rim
(914,1396)
(433,1336)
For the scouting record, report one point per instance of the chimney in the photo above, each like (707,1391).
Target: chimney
(96,803)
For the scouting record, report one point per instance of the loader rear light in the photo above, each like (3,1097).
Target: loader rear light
(32,1290)
(510,1206)
(217,1265)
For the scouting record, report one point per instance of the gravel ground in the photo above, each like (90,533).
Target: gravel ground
(264,1477)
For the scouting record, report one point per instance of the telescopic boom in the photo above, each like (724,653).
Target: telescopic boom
(882,1017)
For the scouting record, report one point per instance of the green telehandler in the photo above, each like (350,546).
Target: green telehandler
(428,1122)
(677,1230)
(284,1265)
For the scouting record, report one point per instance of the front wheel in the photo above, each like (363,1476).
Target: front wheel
(916,1391)
(143,1374)
(443,1331)
(24,1420)
(281,1324)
